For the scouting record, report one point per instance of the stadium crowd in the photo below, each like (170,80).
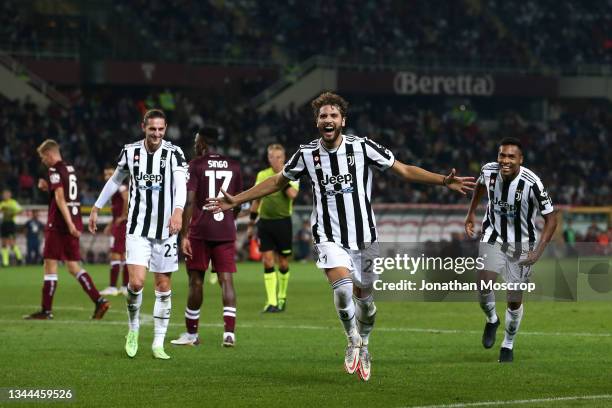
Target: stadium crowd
(497,33)
(560,32)
(571,151)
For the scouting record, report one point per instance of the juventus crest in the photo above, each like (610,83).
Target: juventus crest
(518,195)
(351,160)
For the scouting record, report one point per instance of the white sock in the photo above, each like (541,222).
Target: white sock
(134,300)
(365,311)
(513,321)
(487,304)
(161,317)
(343,299)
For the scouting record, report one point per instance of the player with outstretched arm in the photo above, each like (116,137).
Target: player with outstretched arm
(343,224)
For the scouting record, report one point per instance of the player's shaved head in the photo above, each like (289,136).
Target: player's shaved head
(332,99)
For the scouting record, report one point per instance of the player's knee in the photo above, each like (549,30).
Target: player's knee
(283,264)
(514,305)
(196,278)
(135,285)
(225,279)
(163,286)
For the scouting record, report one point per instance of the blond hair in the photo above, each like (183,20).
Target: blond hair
(276,146)
(48,144)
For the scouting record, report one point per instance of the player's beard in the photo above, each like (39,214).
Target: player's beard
(330,140)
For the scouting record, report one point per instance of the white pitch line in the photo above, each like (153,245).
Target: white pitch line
(147,319)
(517,402)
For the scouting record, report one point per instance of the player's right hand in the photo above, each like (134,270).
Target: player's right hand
(220,204)
(469,225)
(186,247)
(93,220)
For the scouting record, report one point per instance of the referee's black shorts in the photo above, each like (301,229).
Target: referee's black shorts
(275,235)
(8,229)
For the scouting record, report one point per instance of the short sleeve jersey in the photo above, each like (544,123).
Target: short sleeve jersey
(208,174)
(117,202)
(63,175)
(276,205)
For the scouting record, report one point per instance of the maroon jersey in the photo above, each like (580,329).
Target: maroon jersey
(208,174)
(117,202)
(62,175)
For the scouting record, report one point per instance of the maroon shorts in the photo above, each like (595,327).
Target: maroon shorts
(222,254)
(118,233)
(61,246)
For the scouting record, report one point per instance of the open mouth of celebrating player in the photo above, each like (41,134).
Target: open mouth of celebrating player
(329,130)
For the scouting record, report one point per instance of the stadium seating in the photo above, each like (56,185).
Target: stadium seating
(469,33)
(569,151)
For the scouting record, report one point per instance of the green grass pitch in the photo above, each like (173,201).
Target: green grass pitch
(423,354)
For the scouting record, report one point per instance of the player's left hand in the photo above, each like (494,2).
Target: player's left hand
(532,258)
(460,184)
(176,222)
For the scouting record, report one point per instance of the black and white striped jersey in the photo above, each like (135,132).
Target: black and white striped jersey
(512,207)
(342,186)
(152,186)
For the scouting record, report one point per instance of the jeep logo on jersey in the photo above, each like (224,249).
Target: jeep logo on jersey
(504,204)
(155,178)
(333,180)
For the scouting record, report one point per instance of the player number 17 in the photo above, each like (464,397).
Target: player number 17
(213,175)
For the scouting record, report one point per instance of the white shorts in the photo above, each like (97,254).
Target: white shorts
(505,263)
(358,262)
(158,255)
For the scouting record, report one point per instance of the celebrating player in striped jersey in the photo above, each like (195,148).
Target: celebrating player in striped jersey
(343,224)
(158,175)
(509,242)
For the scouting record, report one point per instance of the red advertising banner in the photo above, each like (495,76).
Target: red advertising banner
(68,72)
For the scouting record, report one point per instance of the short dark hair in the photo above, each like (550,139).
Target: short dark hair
(329,98)
(209,132)
(152,114)
(511,141)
